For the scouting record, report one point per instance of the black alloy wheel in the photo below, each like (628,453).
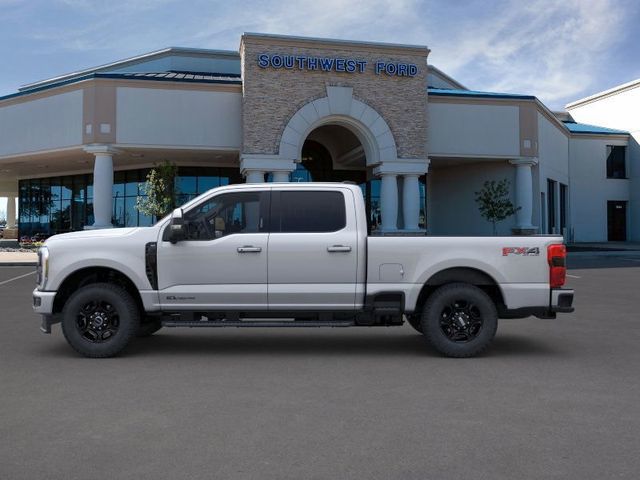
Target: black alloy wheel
(100,319)
(459,320)
(97,321)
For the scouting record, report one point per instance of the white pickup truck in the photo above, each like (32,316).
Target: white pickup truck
(290,255)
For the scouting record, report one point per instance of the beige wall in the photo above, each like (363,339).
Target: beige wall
(272,96)
(473,129)
(163,117)
(44,123)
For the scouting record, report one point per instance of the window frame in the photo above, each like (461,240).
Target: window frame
(264,208)
(609,150)
(276,211)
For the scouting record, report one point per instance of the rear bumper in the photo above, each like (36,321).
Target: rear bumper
(562,300)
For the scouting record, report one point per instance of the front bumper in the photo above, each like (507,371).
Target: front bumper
(43,305)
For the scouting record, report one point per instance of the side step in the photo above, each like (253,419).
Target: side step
(259,323)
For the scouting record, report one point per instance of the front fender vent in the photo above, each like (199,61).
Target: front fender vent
(151,263)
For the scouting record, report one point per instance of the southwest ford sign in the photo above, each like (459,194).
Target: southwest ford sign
(329,64)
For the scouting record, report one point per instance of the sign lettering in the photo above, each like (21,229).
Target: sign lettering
(329,64)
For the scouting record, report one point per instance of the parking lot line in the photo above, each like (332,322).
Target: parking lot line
(16,278)
(573,276)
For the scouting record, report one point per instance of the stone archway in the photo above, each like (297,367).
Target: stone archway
(340,108)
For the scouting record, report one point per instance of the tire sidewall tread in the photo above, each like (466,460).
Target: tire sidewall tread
(431,320)
(127,311)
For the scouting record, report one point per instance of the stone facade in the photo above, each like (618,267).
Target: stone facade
(272,96)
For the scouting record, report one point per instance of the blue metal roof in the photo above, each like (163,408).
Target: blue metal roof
(159,76)
(449,92)
(593,129)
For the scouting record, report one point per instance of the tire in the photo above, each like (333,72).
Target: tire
(459,320)
(99,320)
(148,327)
(415,321)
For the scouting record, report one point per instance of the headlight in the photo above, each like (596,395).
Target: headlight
(42,271)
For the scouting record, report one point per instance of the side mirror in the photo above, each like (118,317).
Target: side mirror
(176,227)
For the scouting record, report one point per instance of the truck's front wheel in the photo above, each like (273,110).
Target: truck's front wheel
(100,319)
(459,320)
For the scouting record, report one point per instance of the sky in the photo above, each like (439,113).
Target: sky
(557,50)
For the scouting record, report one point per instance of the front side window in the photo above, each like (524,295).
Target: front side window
(227,214)
(616,161)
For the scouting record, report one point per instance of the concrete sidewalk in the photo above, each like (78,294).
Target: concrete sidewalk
(21,259)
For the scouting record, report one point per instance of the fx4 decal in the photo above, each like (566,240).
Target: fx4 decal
(522,251)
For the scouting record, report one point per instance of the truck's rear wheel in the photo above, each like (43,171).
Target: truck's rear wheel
(99,320)
(459,320)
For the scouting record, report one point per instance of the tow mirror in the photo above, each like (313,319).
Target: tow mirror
(176,227)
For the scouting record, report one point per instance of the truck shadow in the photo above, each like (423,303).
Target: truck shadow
(284,343)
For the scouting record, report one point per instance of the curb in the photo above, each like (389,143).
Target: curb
(18,264)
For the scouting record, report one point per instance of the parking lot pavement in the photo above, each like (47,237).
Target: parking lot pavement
(551,399)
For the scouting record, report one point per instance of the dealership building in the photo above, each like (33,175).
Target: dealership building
(74,149)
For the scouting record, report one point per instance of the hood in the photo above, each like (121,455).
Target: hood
(99,233)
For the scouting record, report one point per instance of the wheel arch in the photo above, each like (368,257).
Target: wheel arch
(469,275)
(89,275)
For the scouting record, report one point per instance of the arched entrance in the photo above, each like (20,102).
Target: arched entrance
(340,138)
(334,153)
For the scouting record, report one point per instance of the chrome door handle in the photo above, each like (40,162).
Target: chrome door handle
(249,249)
(338,248)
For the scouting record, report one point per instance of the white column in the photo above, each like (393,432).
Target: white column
(524,192)
(389,202)
(102,185)
(11,212)
(280,176)
(254,176)
(410,201)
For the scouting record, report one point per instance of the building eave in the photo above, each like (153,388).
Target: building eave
(604,94)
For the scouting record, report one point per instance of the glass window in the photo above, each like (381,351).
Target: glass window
(119,179)
(131,184)
(616,167)
(225,215)
(118,218)
(312,211)
(186,185)
(67,188)
(131,214)
(207,183)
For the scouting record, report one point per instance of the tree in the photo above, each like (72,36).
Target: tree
(158,192)
(494,203)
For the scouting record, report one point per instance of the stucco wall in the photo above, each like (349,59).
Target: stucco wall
(40,124)
(471,129)
(453,210)
(553,156)
(178,117)
(590,189)
(621,111)
(271,96)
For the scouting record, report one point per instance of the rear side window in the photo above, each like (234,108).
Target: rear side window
(311,211)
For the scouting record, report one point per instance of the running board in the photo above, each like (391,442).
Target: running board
(261,323)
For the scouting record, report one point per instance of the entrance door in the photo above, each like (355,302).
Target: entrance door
(222,263)
(313,250)
(617,221)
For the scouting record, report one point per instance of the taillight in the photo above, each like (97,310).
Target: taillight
(557,256)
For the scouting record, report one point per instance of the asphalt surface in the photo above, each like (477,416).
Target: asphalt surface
(551,399)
